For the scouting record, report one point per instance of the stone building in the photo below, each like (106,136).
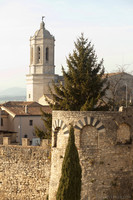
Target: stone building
(42,68)
(4,132)
(121,88)
(21,118)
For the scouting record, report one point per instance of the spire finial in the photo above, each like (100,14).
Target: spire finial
(43,18)
(42,23)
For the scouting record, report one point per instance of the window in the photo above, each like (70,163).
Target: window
(55,140)
(47,53)
(29,96)
(31,122)
(25,136)
(2,122)
(55,137)
(38,51)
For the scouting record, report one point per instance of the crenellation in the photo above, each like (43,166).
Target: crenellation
(25,142)
(6,141)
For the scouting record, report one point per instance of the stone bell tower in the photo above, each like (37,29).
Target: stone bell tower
(41,69)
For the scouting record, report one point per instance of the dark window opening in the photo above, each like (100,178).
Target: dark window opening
(55,140)
(39,54)
(47,53)
(55,136)
(29,96)
(31,122)
(2,123)
(25,136)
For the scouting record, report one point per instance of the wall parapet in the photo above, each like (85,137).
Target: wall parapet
(6,141)
(45,143)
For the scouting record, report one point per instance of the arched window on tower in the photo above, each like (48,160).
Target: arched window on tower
(39,54)
(47,54)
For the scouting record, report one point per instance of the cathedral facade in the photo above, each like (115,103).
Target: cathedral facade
(41,68)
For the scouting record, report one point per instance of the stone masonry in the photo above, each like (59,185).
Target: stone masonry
(24,171)
(104,142)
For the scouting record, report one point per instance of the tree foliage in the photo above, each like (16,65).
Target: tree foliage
(70,181)
(47,120)
(84,85)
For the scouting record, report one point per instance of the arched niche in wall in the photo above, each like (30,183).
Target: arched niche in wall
(123,134)
(89,137)
(89,128)
(59,129)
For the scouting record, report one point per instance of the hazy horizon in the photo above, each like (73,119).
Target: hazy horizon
(107,24)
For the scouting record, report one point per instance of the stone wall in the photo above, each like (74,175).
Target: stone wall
(24,172)
(104,142)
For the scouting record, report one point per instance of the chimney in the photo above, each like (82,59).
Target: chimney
(26,109)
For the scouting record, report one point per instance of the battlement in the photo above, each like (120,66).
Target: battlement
(45,143)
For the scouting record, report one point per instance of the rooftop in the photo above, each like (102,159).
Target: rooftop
(24,108)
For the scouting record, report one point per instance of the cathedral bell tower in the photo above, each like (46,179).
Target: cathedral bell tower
(41,69)
(42,52)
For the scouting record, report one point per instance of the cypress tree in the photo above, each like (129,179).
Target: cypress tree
(84,85)
(70,181)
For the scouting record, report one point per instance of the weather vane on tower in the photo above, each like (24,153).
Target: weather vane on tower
(43,18)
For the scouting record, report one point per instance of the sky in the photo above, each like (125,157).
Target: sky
(107,24)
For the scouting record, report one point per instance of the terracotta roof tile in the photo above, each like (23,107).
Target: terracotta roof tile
(116,73)
(3,112)
(111,74)
(25,108)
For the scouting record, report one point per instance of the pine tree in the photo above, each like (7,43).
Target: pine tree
(70,181)
(47,120)
(84,85)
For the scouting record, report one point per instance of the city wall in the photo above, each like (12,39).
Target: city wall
(104,142)
(24,171)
